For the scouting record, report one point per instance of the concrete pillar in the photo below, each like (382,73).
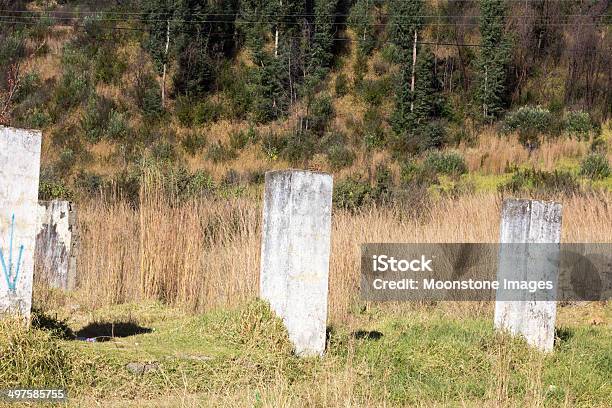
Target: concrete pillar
(55,244)
(19,173)
(527,314)
(295,254)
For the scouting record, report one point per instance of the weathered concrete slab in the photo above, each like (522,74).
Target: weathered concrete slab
(55,261)
(19,173)
(295,254)
(531,223)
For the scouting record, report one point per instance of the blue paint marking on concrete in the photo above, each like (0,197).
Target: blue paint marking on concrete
(11,281)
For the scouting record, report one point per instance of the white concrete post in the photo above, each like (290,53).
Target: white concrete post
(529,222)
(55,241)
(295,254)
(19,173)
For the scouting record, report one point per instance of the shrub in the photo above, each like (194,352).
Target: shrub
(164,151)
(450,163)
(194,142)
(108,67)
(117,127)
(372,128)
(52,187)
(373,92)
(72,89)
(183,109)
(537,181)
(339,156)
(95,116)
(595,167)
(578,124)
(28,84)
(530,122)
(272,145)
(205,112)
(218,153)
(299,148)
(150,104)
(89,183)
(342,85)
(239,139)
(65,162)
(431,135)
(384,184)
(352,193)
(321,111)
(409,171)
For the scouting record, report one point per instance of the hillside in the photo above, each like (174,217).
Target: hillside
(505,94)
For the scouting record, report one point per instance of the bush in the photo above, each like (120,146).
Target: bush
(595,167)
(372,129)
(183,109)
(352,193)
(239,139)
(117,128)
(205,112)
(450,163)
(94,118)
(373,92)
(150,103)
(272,145)
(321,112)
(342,85)
(218,153)
(194,142)
(578,124)
(536,181)
(108,67)
(530,122)
(339,156)
(52,187)
(384,184)
(72,89)
(164,151)
(432,135)
(299,148)
(89,183)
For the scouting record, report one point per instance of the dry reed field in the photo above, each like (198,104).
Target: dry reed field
(204,253)
(188,272)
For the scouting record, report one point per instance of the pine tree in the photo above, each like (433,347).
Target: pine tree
(201,32)
(360,20)
(414,109)
(493,60)
(406,18)
(321,49)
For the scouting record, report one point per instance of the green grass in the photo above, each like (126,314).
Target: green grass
(419,356)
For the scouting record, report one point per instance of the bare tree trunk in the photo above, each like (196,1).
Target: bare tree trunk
(414,57)
(163,97)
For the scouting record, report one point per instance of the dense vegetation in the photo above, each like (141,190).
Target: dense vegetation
(246,85)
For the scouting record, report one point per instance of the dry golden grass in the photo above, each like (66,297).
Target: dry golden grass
(204,253)
(493,153)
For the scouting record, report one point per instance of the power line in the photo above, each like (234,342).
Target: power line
(364,24)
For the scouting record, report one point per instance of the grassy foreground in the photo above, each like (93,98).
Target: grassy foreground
(409,355)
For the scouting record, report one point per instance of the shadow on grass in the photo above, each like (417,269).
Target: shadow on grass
(367,335)
(104,331)
(563,334)
(43,321)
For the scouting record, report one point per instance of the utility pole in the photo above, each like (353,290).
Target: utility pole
(165,63)
(414,56)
